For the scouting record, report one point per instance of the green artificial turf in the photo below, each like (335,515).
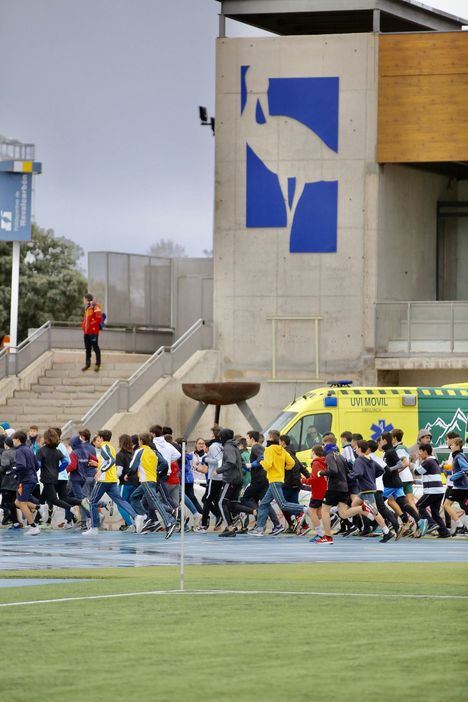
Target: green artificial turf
(255,647)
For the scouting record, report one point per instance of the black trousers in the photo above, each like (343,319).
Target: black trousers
(9,507)
(49,493)
(189,491)
(388,514)
(229,495)
(91,342)
(211,500)
(433,503)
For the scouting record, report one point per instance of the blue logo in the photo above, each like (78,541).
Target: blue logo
(379,429)
(292,193)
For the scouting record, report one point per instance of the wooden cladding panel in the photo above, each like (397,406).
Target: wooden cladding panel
(423,98)
(423,54)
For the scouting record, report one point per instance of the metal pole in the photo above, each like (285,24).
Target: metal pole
(452,328)
(317,351)
(15,267)
(182,517)
(273,349)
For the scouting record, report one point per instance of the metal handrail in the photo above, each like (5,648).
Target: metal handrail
(13,354)
(116,389)
(411,337)
(10,357)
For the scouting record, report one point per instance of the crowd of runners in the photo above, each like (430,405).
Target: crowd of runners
(233,484)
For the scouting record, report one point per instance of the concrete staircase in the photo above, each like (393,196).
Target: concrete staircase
(63,392)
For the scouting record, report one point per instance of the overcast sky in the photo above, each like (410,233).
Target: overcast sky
(108,91)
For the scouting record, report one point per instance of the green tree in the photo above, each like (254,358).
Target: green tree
(166,248)
(51,282)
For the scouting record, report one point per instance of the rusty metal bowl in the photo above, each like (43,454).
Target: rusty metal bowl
(220,394)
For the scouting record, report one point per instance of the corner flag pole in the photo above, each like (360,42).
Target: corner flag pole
(182,518)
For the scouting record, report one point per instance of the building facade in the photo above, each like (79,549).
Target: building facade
(341,233)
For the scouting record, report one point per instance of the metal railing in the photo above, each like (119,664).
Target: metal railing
(429,327)
(13,361)
(68,335)
(123,394)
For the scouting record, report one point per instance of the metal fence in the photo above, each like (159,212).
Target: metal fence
(123,394)
(421,327)
(138,290)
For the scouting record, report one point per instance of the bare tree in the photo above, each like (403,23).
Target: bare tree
(166,248)
(208,253)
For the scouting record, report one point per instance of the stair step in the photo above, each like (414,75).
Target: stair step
(94,379)
(45,402)
(76,372)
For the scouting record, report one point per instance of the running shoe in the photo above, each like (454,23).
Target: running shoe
(306,531)
(277,530)
(227,533)
(218,524)
(422,526)
(315,539)
(17,525)
(399,531)
(170,530)
(323,540)
(386,537)
(85,503)
(432,528)
(200,530)
(256,532)
(369,510)
(149,522)
(68,525)
(32,531)
(139,522)
(124,527)
(298,523)
(352,530)
(92,531)
(149,527)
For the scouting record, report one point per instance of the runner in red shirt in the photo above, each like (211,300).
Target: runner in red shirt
(91,326)
(319,487)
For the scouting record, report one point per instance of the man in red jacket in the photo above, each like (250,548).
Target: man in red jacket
(91,326)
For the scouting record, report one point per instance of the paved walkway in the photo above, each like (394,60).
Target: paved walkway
(59,549)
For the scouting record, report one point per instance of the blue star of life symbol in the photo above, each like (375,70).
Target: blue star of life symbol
(379,429)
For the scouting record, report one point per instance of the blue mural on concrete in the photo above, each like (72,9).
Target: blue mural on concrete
(315,221)
(307,207)
(265,204)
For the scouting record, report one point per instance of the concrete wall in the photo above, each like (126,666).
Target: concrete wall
(166,403)
(407,218)
(255,275)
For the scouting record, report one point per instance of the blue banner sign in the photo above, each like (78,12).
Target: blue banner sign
(15,206)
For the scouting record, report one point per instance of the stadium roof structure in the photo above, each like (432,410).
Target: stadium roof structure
(294,17)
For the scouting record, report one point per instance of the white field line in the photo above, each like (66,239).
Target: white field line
(237,592)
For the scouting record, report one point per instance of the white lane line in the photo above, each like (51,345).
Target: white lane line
(237,592)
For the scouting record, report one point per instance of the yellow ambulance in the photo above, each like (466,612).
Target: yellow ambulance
(371,411)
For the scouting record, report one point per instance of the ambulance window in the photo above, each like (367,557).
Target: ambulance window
(309,431)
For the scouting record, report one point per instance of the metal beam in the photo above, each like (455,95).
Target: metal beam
(249,415)
(195,418)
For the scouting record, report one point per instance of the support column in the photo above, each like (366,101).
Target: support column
(15,267)
(376,21)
